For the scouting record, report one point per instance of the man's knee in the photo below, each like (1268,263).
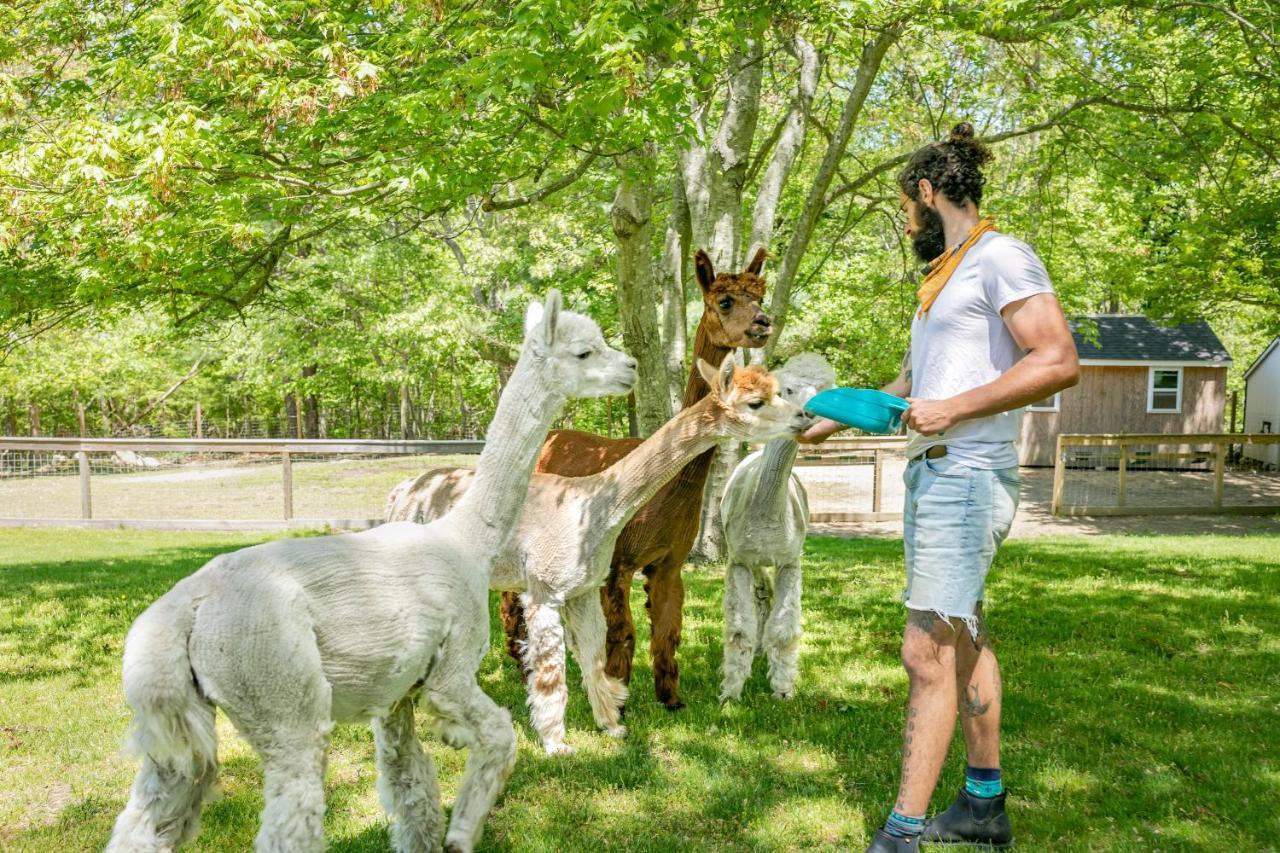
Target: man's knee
(928,647)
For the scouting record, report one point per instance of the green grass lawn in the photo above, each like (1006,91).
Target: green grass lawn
(1142,681)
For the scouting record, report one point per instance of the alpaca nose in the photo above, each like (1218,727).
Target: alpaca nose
(632,363)
(762,319)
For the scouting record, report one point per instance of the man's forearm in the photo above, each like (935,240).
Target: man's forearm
(1040,374)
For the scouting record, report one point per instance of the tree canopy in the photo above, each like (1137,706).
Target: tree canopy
(341,202)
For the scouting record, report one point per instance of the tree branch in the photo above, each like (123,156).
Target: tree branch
(489,204)
(885,165)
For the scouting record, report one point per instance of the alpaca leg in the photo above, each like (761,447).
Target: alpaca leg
(293,769)
(782,635)
(407,782)
(584,621)
(163,811)
(762,593)
(514,627)
(620,643)
(665,589)
(464,716)
(740,630)
(544,661)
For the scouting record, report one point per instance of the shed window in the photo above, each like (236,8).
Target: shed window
(1048,404)
(1164,389)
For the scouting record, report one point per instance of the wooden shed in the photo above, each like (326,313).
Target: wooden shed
(1262,403)
(1135,377)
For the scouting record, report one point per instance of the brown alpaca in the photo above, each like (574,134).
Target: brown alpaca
(658,538)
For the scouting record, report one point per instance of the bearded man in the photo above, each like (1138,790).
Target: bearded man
(988,338)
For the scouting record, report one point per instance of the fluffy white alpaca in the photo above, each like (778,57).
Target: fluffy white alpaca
(560,554)
(766,515)
(290,636)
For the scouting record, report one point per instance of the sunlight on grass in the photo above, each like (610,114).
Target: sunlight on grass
(1141,702)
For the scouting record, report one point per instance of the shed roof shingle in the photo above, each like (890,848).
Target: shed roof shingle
(1132,337)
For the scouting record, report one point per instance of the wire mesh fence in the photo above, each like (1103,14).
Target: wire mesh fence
(1165,474)
(854,479)
(211,483)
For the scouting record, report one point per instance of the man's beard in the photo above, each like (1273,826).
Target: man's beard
(930,240)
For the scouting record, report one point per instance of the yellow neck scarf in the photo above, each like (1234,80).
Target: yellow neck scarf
(941,267)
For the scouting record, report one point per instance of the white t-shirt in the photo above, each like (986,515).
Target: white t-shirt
(963,343)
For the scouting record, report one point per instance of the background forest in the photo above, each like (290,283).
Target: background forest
(324,219)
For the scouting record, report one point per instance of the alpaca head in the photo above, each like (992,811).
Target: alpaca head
(748,405)
(731,303)
(573,352)
(804,375)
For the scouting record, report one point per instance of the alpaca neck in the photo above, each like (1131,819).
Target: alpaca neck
(772,489)
(710,352)
(491,506)
(638,476)
(694,475)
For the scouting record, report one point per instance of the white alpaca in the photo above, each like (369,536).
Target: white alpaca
(290,636)
(766,515)
(560,554)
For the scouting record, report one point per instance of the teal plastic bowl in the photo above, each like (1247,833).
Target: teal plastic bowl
(865,408)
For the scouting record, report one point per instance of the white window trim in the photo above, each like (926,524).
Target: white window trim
(1151,392)
(1052,407)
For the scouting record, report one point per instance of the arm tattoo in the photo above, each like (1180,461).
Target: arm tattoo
(973,706)
(922,620)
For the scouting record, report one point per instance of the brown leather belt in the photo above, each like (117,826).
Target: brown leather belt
(936,452)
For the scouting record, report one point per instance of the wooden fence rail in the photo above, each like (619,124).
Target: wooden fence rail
(837,452)
(1124,454)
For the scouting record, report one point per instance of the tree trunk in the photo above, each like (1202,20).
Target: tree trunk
(868,67)
(290,415)
(675,260)
(632,218)
(405,428)
(787,148)
(33,413)
(310,406)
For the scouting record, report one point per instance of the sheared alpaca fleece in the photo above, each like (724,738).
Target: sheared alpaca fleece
(765,511)
(561,551)
(290,636)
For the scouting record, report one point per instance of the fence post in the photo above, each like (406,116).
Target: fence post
(80,418)
(1124,466)
(86,507)
(287,464)
(876,480)
(1059,474)
(1219,471)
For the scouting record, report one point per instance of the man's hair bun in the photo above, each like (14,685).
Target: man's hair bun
(953,165)
(961,131)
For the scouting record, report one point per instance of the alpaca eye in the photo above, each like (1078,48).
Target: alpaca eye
(584,354)
(755,404)
(726,303)
(788,390)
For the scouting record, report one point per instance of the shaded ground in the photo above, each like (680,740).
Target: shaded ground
(1140,709)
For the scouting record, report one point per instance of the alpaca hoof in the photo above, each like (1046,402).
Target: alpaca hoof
(726,698)
(674,705)
(616,731)
(457,845)
(784,694)
(558,749)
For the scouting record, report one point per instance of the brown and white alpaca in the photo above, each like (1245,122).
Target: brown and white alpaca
(766,518)
(659,537)
(290,636)
(561,551)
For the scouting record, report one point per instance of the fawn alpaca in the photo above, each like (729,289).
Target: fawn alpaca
(561,551)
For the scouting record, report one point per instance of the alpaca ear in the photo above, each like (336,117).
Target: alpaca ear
(551,316)
(709,375)
(702,268)
(532,318)
(726,374)
(757,261)
(720,379)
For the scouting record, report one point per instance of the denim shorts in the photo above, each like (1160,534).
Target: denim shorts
(954,519)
